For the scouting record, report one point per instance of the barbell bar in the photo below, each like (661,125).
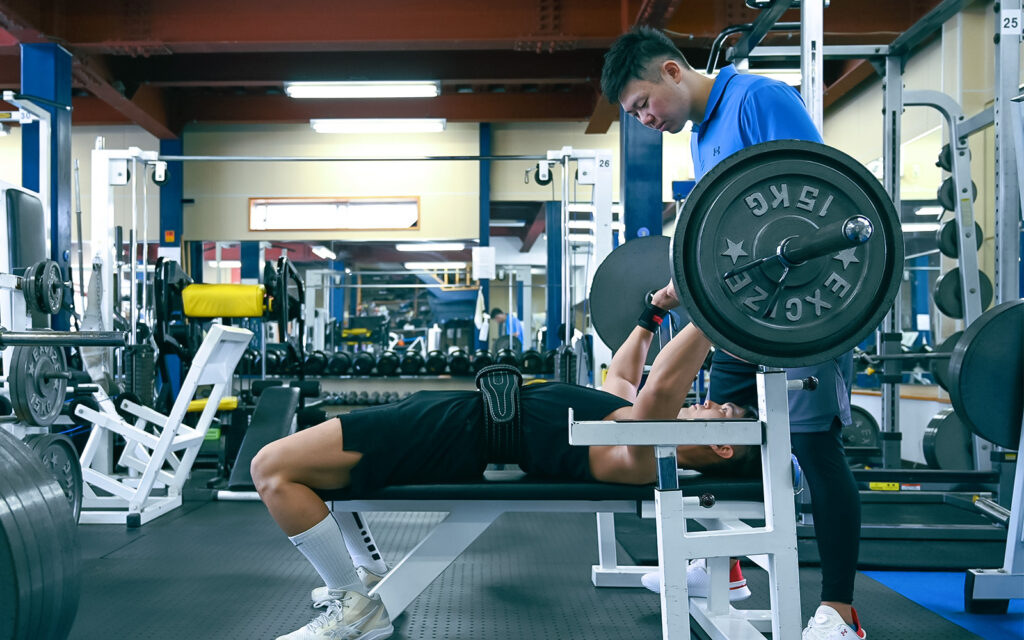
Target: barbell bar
(61,338)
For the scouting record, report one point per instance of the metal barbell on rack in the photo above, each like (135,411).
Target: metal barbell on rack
(42,285)
(37,370)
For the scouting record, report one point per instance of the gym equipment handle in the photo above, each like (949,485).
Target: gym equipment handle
(837,236)
(62,338)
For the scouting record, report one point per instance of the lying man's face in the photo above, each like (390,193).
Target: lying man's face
(710,410)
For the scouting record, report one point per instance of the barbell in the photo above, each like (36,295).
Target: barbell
(789,253)
(37,370)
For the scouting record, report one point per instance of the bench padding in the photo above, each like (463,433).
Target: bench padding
(516,485)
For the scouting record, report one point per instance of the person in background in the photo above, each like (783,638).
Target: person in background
(508,324)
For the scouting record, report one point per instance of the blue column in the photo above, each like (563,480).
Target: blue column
(172,193)
(485,213)
(249,255)
(46,74)
(553,222)
(195,260)
(640,177)
(519,299)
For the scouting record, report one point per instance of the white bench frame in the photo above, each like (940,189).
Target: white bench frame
(772,546)
(155,441)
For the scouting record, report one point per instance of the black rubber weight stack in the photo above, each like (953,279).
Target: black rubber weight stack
(39,557)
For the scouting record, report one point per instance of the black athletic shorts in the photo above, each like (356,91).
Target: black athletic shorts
(431,437)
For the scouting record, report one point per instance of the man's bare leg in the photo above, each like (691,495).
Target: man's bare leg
(286,471)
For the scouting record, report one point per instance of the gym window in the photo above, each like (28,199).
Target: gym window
(333,214)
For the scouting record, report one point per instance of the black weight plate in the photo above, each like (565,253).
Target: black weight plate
(947,442)
(986,374)
(61,556)
(946,195)
(939,367)
(948,298)
(60,458)
(29,291)
(864,431)
(512,343)
(25,582)
(620,286)
(40,545)
(49,287)
(741,210)
(37,400)
(948,239)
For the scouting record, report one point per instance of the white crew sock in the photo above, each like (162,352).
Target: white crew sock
(322,545)
(360,543)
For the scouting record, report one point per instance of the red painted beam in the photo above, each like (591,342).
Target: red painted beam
(534,230)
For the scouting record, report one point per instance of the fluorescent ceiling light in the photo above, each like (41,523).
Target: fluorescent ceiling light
(431,246)
(378,125)
(929,211)
(225,264)
(402,89)
(912,227)
(434,266)
(321,251)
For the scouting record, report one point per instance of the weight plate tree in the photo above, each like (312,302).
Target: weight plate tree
(745,272)
(620,286)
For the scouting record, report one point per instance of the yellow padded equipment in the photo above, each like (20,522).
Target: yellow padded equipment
(227,403)
(223,300)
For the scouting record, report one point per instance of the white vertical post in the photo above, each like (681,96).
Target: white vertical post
(812,59)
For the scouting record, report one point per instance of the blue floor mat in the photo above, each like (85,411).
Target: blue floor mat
(943,593)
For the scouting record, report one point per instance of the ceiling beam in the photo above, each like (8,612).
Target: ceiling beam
(534,229)
(146,108)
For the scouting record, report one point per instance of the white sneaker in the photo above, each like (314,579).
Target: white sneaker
(827,624)
(349,616)
(698,580)
(321,596)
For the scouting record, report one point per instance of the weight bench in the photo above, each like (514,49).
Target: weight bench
(473,507)
(159,449)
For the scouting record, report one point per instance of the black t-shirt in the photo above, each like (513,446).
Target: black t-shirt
(545,419)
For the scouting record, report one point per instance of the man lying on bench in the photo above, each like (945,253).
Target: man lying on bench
(451,436)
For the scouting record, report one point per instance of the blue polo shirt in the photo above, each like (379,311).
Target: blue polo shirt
(513,327)
(744,110)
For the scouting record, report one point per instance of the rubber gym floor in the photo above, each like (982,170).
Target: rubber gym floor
(223,570)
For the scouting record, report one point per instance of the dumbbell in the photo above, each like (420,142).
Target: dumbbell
(458,363)
(273,361)
(388,363)
(507,356)
(315,363)
(481,358)
(549,361)
(436,362)
(412,362)
(362,398)
(351,398)
(532,362)
(363,363)
(374,398)
(339,363)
